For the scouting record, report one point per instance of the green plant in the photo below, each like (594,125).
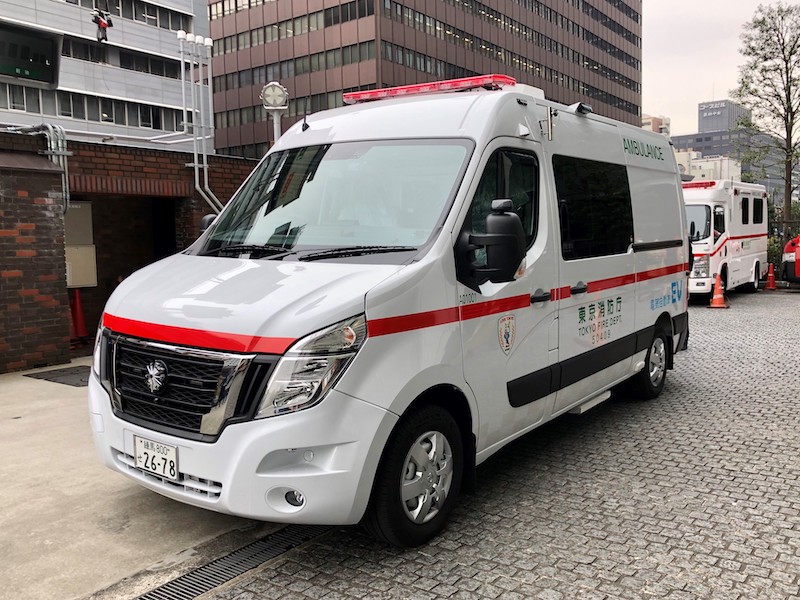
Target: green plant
(775,252)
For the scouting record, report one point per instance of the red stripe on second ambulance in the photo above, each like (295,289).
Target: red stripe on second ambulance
(735,237)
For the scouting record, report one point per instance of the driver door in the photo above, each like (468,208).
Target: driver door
(510,330)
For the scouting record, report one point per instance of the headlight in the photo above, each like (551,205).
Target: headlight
(98,344)
(700,268)
(311,367)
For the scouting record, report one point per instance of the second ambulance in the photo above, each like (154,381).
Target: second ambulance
(402,287)
(728,228)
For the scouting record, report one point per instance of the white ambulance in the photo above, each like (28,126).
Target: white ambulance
(728,227)
(401,288)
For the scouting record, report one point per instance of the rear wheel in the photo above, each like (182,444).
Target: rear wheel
(648,383)
(752,286)
(418,480)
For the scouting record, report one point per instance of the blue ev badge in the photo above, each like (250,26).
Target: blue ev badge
(506,331)
(156,375)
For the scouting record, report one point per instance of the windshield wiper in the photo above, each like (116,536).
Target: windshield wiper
(355,251)
(266,249)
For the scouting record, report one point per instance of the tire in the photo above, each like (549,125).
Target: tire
(418,480)
(752,286)
(648,383)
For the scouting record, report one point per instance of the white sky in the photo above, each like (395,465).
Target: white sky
(690,54)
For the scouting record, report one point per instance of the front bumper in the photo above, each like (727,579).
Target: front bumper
(701,285)
(328,453)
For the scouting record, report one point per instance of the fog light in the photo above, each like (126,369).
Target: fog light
(295,498)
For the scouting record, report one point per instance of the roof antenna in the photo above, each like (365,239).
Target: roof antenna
(305,114)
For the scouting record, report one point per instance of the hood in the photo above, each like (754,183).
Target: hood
(239,304)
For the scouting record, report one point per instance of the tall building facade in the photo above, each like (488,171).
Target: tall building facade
(720,115)
(575,50)
(718,137)
(122,90)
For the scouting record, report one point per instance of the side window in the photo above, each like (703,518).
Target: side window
(745,211)
(594,206)
(508,174)
(758,210)
(719,222)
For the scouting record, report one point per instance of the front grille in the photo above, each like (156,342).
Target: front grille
(199,389)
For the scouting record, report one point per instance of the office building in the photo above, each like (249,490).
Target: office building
(575,50)
(720,115)
(658,124)
(718,136)
(125,89)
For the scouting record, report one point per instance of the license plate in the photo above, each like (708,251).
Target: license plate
(157,458)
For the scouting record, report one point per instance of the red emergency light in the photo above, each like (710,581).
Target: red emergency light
(494,81)
(699,184)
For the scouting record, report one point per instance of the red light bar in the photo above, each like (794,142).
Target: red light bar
(699,184)
(450,85)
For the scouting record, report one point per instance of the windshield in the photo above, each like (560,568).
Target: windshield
(376,196)
(698,219)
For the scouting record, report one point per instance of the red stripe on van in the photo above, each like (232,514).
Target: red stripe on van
(611,282)
(746,237)
(662,272)
(217,340)
(560,293)
(484,309)
(420,320)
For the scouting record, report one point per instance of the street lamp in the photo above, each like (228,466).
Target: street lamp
(275,99)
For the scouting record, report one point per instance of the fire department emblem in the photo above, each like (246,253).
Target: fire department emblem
(506,331)
(156,375)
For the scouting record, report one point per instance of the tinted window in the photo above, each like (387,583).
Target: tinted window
(508,174)
(719,222)
(745,211)
(594,203)
(758,210)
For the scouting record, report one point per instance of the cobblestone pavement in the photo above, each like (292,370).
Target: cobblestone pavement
(692,495)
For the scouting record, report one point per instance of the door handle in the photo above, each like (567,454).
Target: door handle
(579,288)
(540,296)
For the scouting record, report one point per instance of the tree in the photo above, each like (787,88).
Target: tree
(769,85)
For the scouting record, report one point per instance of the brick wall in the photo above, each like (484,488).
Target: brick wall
(128,189)
(34,307)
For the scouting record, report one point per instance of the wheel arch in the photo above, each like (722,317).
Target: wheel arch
(664,323)
(455,402)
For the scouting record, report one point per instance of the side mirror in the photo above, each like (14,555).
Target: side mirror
(692,230)
(206,222)
(504,241)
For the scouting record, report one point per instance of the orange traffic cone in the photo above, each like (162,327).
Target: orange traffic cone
(78,322)
(770,278)
(718,299)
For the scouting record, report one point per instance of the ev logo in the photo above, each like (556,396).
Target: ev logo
(673,296)
(677,291)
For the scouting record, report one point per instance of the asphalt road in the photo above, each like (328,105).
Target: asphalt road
(693,495)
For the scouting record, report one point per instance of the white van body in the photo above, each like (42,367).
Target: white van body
(427,366)
(727,223)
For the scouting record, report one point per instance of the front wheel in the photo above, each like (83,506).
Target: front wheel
(418,480)
(648,383)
